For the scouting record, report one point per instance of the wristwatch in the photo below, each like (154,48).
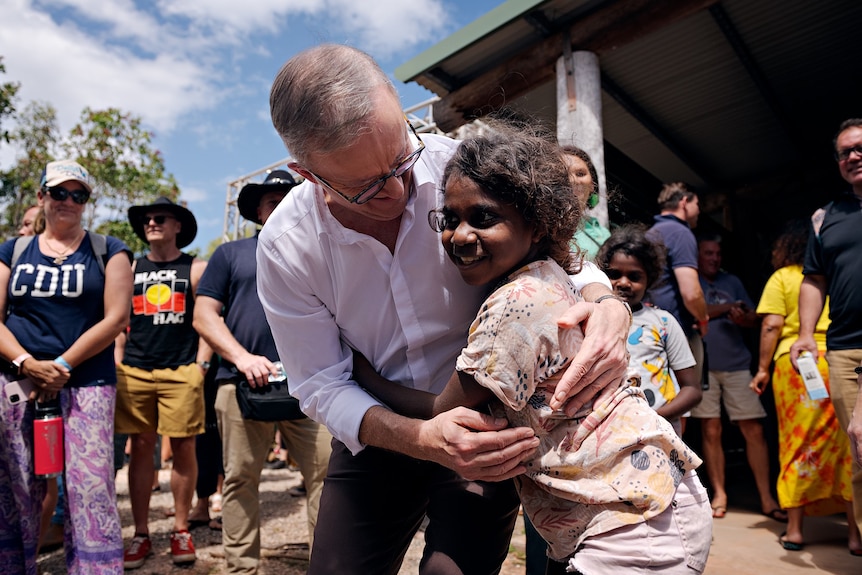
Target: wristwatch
(19,361)
(205,365)
(858,370)
(619,299)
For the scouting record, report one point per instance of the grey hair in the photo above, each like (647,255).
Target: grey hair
(322,98)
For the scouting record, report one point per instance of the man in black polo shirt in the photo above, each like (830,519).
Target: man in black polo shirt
(833,267)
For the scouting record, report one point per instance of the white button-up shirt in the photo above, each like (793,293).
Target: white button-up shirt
(327,290)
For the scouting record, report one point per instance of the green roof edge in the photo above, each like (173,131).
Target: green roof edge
(475,30)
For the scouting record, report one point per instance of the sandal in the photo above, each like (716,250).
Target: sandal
(790,545)
(215,523)
(719,511)
(779,515)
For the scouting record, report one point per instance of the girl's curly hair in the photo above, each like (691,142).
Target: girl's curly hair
(518,164)
(631,240)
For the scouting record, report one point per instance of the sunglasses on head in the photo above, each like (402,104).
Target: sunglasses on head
(59,194)
(159,219)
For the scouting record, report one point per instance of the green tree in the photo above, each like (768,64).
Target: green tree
(36,137)
(128,170)
(8,94)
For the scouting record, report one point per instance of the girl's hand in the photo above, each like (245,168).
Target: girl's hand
(759,381)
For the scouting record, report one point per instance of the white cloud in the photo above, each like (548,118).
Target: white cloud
(165,60)
(72,68)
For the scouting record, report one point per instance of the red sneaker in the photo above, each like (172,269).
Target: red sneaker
(182,548)
(137,552)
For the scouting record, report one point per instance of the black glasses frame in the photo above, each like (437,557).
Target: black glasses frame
(844,155)
(159,219)
(59,194)
(372,190)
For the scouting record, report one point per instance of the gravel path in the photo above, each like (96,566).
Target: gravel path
(283,531)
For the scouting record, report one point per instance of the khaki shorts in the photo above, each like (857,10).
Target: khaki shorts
(731,388)
(167,401)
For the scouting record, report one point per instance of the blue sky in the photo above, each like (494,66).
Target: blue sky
(198,71)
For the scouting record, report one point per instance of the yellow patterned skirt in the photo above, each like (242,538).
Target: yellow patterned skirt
(814,452)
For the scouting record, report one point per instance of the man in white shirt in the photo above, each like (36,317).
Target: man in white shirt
(349,262)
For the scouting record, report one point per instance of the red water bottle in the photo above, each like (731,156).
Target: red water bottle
(48,439)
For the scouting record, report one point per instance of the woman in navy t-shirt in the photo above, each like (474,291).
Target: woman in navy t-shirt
(61,310)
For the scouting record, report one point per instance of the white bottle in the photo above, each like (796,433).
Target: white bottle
(811,376)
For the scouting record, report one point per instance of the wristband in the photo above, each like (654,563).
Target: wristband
(19,361)
(59,359)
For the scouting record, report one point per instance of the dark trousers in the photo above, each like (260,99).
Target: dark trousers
(373,504)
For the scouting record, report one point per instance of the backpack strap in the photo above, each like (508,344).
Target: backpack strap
(21,244)
(98,243)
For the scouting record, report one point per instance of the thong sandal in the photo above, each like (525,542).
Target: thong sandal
(779,515)
(719,511)
(790,545)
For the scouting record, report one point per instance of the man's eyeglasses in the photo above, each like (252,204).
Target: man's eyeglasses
(159,219)
(844,155)
(372,190)
(59,194)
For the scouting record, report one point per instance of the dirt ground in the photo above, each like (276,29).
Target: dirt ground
(283,532)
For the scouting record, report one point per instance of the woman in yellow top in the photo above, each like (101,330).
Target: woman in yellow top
(814,452)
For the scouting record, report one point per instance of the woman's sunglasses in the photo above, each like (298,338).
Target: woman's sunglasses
(59,194)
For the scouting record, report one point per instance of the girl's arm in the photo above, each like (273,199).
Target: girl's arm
(770,331)
(690,393)
(462,390)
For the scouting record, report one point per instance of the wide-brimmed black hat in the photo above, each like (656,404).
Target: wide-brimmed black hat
(187,220)
(250,195)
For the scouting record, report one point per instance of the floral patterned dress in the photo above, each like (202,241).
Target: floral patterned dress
(610,465)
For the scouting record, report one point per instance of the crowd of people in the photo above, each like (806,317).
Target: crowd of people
(441,334)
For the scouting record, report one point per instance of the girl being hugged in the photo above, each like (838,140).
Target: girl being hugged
(613,488)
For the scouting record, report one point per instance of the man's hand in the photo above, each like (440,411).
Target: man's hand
(804,343)
(256,369)
(475,445)
(854,430)
(602,361)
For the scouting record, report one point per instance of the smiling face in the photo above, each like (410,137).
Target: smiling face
(164,232)
(60,212)
(628,278)
(851,166)
(485,238)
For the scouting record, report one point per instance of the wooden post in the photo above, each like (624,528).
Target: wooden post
(581,124)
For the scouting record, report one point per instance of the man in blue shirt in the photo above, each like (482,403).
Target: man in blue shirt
(678,289)
(229,316)
(730,311)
